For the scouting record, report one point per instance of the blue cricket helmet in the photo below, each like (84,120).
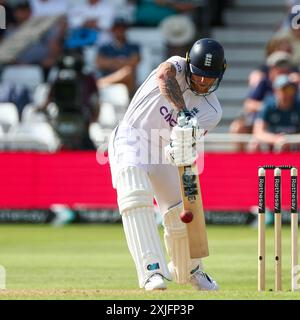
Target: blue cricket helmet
(206,58)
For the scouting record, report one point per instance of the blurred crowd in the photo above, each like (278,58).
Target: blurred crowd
(271,111)
(58,79)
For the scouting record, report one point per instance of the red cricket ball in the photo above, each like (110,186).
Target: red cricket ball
(186,216)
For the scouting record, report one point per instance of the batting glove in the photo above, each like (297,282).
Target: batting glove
(182,148)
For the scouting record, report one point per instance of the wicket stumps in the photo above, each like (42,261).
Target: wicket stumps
(277,226)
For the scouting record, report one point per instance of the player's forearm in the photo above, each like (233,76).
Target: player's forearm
(169,87)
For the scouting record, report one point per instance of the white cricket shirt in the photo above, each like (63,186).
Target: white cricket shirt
(133,142)
(150,110)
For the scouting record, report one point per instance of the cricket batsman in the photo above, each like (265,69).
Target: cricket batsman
(145,150)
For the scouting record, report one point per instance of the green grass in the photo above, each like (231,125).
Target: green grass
(93,262)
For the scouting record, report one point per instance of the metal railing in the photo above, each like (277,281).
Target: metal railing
(12,142)
(212,142)
(229,142)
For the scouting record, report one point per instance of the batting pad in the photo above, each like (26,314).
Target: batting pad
(177,245)
(135,200)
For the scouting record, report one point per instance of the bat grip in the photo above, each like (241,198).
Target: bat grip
(183,117)
(185,112)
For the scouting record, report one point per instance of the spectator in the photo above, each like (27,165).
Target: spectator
(45,51)
(272,46)
(92,19)
(76,97)
(277,63)
(280,114)
(117,60)
(179,32)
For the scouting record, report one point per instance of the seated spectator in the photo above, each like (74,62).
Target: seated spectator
(117,60)
(277,63)
(280,115)
(76,97)
(45,51)
(89,23)
(272,46)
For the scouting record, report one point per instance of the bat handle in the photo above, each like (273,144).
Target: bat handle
(183,117)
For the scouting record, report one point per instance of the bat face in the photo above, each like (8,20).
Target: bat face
(192,201)
(189,183)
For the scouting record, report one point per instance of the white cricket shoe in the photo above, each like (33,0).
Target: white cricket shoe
(155,282)
(202,281)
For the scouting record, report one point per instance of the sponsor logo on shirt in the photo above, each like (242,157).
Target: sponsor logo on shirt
(178,66)
(168,116)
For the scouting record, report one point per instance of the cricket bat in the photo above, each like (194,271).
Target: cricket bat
(192,201)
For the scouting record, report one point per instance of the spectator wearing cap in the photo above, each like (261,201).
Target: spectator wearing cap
(277,63)
(272,46)
(117,60)
(94,17)
(280,114)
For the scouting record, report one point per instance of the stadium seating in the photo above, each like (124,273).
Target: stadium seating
(9,117)
(249,26)
(40,94)
(28,75)
(30,115)
(117,96)
(31,136)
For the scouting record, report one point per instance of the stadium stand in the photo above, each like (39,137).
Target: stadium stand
(29,76)
(32,31)
(249,26)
